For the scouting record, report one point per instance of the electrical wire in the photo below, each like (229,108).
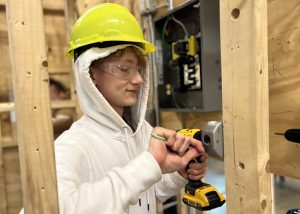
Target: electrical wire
(165,31)
(182,25)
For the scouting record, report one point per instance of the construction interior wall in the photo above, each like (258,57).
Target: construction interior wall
(284,79)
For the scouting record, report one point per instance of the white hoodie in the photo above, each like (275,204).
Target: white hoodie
(102,165)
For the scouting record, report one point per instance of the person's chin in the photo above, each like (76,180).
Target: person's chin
(131,102)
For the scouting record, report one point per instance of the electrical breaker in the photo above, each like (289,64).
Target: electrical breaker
(188,57)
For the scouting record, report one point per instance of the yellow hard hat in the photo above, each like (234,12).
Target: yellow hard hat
(107,22)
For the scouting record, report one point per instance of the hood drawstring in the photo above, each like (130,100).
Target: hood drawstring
(147,198)
(144,148)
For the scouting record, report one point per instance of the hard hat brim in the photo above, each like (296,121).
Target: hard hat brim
(145,45)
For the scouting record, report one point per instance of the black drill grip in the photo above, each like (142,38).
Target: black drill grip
(197,136)
(195,183)
(196,160)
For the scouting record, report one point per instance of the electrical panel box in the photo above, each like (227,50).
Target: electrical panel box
(188,57)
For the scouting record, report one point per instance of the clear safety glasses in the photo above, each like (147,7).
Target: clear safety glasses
(123,71)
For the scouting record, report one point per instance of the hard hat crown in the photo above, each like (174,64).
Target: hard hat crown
(107,22)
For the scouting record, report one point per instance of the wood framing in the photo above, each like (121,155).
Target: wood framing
(47,4)
(31,93)
(245,105)
(6,107)
(3,203)
(71,15)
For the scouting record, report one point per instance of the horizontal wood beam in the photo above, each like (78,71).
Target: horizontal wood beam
(63,104)
(47,4)
(8,142)
(58,72)
(6,107)
(10,106)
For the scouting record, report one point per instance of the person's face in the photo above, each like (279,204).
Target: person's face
(118,80)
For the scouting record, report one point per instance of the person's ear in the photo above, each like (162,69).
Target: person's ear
(92,73)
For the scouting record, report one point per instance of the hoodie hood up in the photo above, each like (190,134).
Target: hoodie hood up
(92,102)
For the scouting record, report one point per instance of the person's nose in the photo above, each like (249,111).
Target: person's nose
(137,78)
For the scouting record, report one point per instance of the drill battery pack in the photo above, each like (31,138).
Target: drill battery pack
(202,196)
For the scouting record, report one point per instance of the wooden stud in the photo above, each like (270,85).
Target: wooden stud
(31,93)
(71,15)
(245,105)
(3,202)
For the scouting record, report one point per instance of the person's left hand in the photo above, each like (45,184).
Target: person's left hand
(195,171)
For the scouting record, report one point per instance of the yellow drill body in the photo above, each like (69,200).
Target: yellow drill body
(198,194)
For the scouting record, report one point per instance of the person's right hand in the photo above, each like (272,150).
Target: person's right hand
(169,154)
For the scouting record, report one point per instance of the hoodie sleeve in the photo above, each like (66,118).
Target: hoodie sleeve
(113,193)
(169,185)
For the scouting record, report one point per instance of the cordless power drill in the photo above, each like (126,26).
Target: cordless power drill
(198,194)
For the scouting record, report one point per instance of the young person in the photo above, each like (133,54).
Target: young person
(111,160)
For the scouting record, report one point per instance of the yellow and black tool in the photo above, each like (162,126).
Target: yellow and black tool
(198,194)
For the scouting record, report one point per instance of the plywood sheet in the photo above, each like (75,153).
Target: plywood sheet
(284,83)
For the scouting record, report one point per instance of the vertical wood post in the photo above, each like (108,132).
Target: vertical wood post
(245,105)
(3,202)
(31,94)
(71,15)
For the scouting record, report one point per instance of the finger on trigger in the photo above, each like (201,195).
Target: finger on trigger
(198,145)
(191,154)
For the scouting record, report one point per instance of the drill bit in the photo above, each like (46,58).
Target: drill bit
(292,135)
